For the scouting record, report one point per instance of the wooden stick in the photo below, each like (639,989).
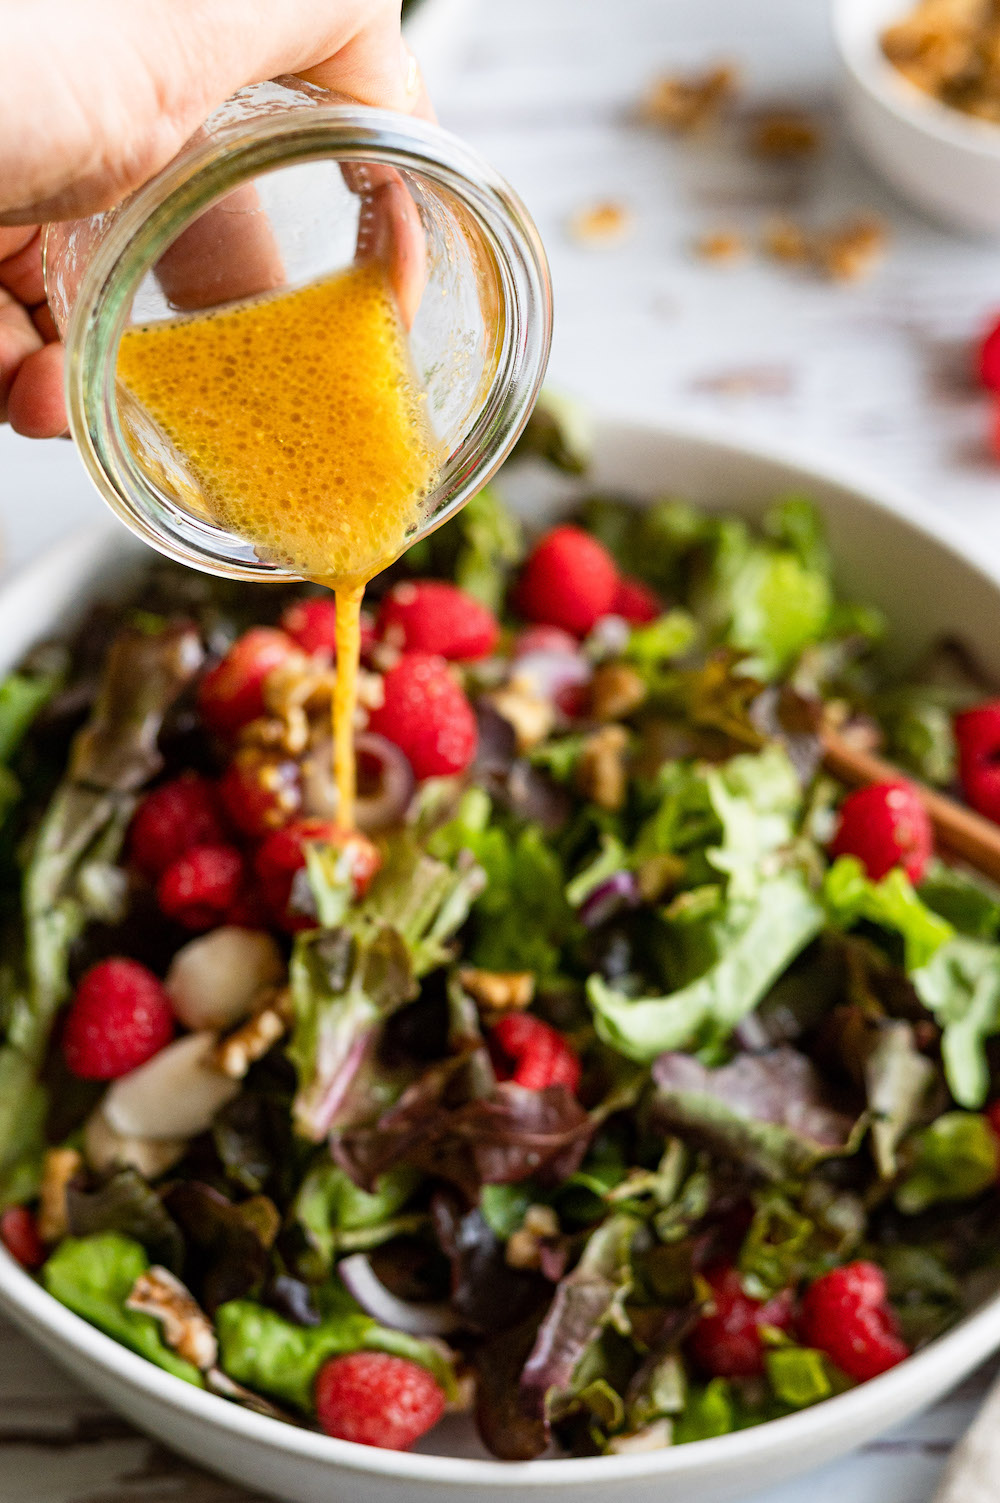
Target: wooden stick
(958,830)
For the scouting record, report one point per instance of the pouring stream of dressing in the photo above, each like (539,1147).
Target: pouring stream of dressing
(301,418)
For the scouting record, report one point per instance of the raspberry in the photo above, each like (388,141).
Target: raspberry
(377,1400)
(19,1235)
(885,825)
(283,854)
(261,791)
(120,1017)
(232,693)
(977,732)
(726,1342)
(636,602)
(989,358)
(171,819)
(201,888)
(992,1115)
(312,624)
(845,1314)
(426,715)
(429,615)
(531,1054)
(569,580)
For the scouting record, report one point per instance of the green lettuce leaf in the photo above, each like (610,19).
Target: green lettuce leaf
(898,1079)
(560,432)
(760,941)
(960,985)
(94,1276)
(892,904)
(955,1159)
(330,1207)
(764,598)
(798,1375)
(272,1355)
(964,899)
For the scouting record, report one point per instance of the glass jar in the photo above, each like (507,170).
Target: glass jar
(290,163)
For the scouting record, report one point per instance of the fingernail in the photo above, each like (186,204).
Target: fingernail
(411,73)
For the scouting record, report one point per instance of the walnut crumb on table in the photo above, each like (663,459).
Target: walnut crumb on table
(685,102)
(606,223)
(721,246)
(785,133)
(844,252)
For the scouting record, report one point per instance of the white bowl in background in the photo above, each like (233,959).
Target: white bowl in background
(930,580)
(944,161)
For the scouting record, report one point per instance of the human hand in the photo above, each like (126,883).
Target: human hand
(114,93)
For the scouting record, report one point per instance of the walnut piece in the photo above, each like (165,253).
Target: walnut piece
(58,1168)
(606,223)
(844,252)
(250,1042)
(523,1248)
(601,773)
(785,133)
(721,246)
(951,50)
(187,1330)
(616,689)
(684,102)
(498,991)
(531,717)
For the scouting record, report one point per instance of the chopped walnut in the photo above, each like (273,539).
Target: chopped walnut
(784,240)
(499,991)
(689,101)
(601,224)
(531,717)
(852,250)
(58,1168)
(601,773)
(615,691)
(187,1330)
(251,1041)
(788,133)
(721,246)
(951,50)
(842,253)
(524,1245)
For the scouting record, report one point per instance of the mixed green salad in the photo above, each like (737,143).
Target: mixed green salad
(606,1078)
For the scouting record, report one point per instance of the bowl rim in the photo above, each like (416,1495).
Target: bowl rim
(956,1352)
(877,77)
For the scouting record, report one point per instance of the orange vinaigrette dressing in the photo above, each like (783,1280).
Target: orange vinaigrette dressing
(301,418)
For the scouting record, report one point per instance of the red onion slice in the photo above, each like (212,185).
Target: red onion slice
(437,1319)
(385,783)
(617,892)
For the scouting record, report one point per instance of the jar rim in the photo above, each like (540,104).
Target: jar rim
(136,234)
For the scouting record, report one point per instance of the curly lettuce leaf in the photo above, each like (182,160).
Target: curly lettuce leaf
(893,904)
(94,1276)
(756,945)
(770,1111)
(898,1079)
(78,840)
(272,1355)
(960,985)
(965,900)
(587,1302)
(330,1207)
(955,1159)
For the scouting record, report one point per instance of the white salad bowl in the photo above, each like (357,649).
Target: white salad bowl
(944,161)
(930,581)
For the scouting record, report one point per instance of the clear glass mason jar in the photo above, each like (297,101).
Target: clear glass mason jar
(290,162)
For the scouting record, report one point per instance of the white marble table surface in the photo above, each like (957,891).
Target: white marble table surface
(872,374)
